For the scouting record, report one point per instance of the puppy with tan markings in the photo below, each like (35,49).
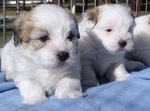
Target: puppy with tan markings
(42,57)
(106,34)
(141,51)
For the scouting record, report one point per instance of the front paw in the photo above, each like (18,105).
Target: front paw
(118,77)
(122,77)
(8,77)
(139,66)
(71,94)
(34,100)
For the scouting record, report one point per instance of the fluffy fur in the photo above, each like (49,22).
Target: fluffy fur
(42,57)
(141,51)
(106,34)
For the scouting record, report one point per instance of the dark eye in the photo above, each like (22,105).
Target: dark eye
(44,38)
(108,30)
(130,29)
(70,37)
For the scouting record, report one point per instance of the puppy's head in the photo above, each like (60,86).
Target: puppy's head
(113,25)
(49,33)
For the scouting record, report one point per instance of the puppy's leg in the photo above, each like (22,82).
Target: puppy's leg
(32,91)
(133,65)
(8,76)
(117,72)
(88,76)
(68,88)
(143,56)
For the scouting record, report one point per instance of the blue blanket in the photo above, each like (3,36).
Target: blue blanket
(130,95)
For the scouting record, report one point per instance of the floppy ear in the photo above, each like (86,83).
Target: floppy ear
(22,28)
(91,17)
(78,35)
(132,14)
(15,38)
(129,10)
(76,23)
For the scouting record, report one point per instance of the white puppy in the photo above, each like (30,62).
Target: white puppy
(43,54)
(106,34)
(141,50)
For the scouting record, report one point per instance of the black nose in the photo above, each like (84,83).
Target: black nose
(122,43)
(63,56)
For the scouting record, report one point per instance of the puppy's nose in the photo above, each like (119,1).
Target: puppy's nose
(123,43)
(63,56)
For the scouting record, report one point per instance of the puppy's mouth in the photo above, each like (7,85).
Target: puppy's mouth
(69,62)
(122,49)
(60,63)
(126,49)
(117,51)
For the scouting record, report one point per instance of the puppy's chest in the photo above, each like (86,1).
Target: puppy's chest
(50,77)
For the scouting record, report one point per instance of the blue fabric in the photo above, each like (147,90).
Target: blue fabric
(129,95)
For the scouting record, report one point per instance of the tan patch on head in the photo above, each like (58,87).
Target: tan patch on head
(23,27)
(93,14)
(34,43)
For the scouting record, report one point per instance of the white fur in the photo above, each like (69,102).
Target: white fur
(141,50)
(35,68)
(100,51)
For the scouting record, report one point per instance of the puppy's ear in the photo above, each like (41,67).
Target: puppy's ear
(78,35)
(132,15)
(129,10)
(23,26)
(15,38)
(91,17)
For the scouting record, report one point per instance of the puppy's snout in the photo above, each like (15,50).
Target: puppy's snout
(63,55)
(122,43)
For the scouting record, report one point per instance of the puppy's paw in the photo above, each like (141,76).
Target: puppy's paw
(34,100)
(8,77)
(134,65)
(71,94)
(122,77)
(139,66)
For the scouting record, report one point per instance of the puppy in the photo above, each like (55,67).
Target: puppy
(141,51)
(42,57)
(106,34)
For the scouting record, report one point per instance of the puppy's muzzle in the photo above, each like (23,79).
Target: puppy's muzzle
(122,43)
(63,56)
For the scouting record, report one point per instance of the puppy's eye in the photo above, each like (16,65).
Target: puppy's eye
(108,30)
(44,38)
(130,29)
(70,37)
